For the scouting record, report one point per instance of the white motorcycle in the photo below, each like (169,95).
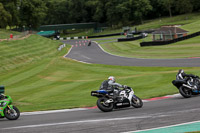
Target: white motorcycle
(107,102)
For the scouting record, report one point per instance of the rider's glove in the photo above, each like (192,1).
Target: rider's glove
(124,86)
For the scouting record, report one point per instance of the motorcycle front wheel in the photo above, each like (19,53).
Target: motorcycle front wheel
(12,114)
(137,102)
(103,106)
(185,92)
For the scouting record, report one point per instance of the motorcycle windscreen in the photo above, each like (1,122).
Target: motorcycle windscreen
(2,89)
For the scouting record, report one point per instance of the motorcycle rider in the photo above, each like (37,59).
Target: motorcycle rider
(1,96)
(111,86)
(181,75)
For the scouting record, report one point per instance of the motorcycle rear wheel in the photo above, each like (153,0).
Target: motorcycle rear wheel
(105,107)
(137,102)
(185,92)
(12,114)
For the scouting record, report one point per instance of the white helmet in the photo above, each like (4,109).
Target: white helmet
(111,78)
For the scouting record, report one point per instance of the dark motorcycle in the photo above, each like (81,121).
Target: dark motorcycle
(188,86)
(107,102)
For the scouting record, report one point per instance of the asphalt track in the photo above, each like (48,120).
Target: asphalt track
(153,114)
(95,54)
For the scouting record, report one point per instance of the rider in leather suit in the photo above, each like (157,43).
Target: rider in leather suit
(111,86)
(181,75)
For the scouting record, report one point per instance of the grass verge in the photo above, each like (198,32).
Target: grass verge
(49,81)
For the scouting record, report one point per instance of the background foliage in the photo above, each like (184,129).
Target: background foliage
(116,13)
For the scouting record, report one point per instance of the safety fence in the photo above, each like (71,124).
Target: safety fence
(156,43)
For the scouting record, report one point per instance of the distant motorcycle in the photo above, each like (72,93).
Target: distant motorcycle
(126,98)
(188,86)
(6,108)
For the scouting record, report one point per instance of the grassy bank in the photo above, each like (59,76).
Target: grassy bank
(37,76)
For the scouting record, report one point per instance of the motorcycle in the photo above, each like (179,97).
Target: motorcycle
(6,108)
(107,102)
(188,86)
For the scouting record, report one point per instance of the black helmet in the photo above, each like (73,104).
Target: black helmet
(180,71)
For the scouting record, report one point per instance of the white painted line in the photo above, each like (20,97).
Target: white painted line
(77,122)
(85,57)
(80,61)
(69,51)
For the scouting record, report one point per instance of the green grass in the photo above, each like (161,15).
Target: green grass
(183,49)
(38,78)
(5,34)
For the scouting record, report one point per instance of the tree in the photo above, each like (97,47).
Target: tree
(57,12)
(117,12)
(184,6)
(11,6)
(142,7)
(167,4)
(196,5)
(32,13)
(100,11)
(5,17)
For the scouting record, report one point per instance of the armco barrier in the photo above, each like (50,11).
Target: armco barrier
(156,43)
(130,39)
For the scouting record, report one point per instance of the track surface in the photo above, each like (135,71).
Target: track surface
(153,114)
(94,54)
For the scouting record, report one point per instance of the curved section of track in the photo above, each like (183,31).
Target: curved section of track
(94,54)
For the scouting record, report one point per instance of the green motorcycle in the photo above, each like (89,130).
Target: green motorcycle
(6,108)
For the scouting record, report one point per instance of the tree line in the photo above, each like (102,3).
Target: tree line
(115,13)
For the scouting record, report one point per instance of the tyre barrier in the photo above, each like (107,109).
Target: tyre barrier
(157,43)
(61,47)
(69,38)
